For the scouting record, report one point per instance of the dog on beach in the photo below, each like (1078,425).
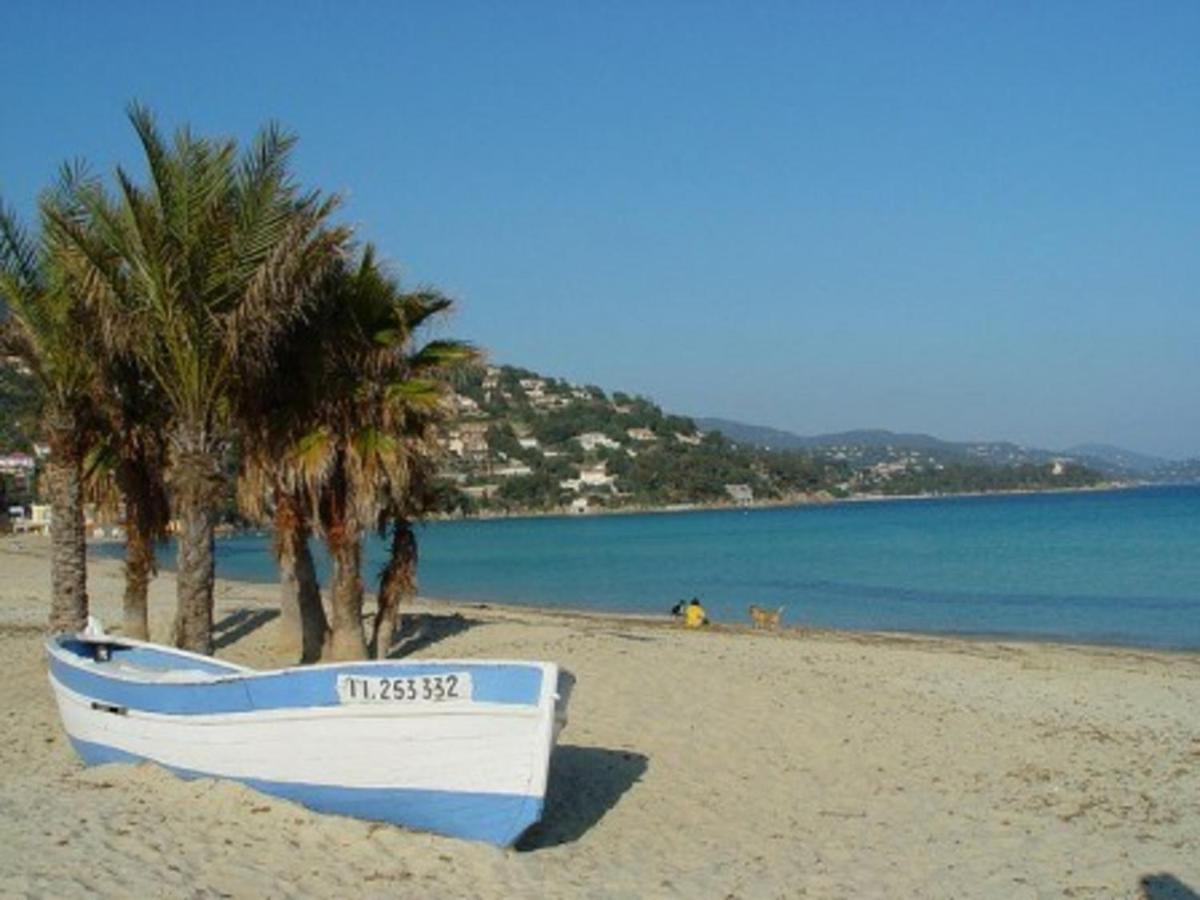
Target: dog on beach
(765,618)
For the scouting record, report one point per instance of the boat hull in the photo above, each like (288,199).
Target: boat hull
(475,770)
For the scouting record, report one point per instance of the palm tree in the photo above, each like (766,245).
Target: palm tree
(194,276)
(428,372)
(370,429)
(135,455)
(398,578)
(273,411)
(45,325)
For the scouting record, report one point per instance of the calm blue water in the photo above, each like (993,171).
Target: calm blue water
(1120,567)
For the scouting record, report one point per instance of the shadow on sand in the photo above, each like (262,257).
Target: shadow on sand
(420,630)
(585,783)
(240,623)
(1165,887)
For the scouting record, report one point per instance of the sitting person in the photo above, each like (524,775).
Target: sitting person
(694,615)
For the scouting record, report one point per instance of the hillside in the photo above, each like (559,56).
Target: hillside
(521,441)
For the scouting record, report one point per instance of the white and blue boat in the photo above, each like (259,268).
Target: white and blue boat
(461,748)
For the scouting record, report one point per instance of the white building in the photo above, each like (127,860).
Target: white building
(481,491)
(534,388)
(592,439)
(465,405)
(740,493)
(641,434)
(512,470)
(37,523)
(551,401)
(590,477)
(596,476)
(17,464)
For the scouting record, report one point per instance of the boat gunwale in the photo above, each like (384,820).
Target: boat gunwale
(334,711)
(240,672)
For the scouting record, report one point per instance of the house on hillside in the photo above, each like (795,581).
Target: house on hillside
(17,464)
(17,365)
(464,405)
(590,477)
(641,434)
(512,470)
(590,440)
(481,491)
(469,439)
(551,401)
(741,494)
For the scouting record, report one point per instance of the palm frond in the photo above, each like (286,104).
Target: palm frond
(18,252)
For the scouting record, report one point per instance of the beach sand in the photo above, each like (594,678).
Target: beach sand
(721,763)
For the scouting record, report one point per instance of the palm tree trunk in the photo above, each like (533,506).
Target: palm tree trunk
(302,625)
(346,595)
(68,553)
(145,518)
(397,585)
(139,569)
(196,479)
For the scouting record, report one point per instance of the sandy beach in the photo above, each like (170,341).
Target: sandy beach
(722,763)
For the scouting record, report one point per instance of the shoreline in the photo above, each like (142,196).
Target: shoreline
(819,500)
(796,632)
(807,500)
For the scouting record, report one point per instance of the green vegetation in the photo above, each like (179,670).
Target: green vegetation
(961,478)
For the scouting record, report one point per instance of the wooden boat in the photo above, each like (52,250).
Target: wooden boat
(458,747)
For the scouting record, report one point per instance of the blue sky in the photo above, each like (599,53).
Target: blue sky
(976,220)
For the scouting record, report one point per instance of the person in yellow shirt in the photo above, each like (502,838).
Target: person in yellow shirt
(694,615)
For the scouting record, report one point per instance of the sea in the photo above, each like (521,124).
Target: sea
(1118,567)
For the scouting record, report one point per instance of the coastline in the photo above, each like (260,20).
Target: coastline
(804,500)
(713,763)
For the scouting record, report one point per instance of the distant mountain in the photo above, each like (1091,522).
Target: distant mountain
(1118,458)
(877,444)
(873,439)
(755,435)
